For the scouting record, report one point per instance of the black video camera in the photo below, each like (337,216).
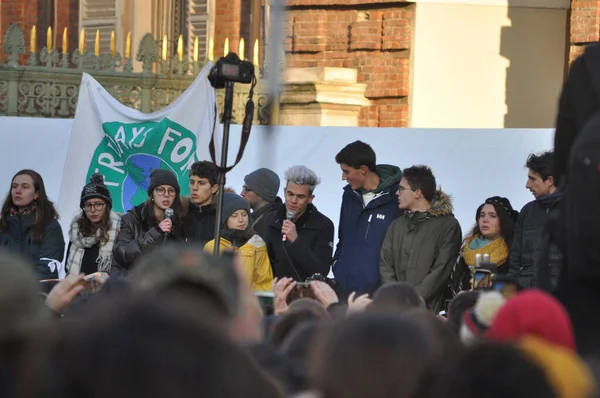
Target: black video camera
(231,69)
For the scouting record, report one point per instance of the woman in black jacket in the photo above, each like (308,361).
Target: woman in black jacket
(29,226)
(93,231)
(146,226)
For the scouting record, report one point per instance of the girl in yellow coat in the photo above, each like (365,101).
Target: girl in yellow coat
(237,235)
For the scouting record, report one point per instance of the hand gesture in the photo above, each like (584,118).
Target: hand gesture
(324,293)
(165,226)
(282,288)
(358,304)
(65,292)
(289,230)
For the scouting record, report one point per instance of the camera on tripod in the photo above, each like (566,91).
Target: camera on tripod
(231,69)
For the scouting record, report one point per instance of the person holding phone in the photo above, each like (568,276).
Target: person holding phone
(146,226)
(495,221)
(238,236)
(93,231)
(29,224)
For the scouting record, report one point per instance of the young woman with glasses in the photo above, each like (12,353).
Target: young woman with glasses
(93,231)
(29,226)
(146,226)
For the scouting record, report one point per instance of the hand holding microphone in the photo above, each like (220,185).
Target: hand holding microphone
(289,228)
(166,224)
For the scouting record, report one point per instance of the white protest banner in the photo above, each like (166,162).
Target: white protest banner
(126,145)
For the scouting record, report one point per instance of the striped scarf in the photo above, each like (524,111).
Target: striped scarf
(80,243)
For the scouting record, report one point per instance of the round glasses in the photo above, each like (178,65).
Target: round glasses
(96,206)
(162,191)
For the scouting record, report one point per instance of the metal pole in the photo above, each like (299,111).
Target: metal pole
(227,109)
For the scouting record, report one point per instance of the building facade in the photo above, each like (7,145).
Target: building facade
(425,63)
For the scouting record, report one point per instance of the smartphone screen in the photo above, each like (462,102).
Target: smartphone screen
(267,302)
(482,280)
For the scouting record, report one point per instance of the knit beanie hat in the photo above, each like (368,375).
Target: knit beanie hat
(533,313)
(232,203)
(95,189)
(478,319)
(160,177)
(503,203)
(264,182)
(567,374)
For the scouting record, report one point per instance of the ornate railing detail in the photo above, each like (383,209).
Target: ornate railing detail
(46,83)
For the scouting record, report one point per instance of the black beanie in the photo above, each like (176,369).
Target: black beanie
(95,189)
(231,204)
(503,203)
(160,177)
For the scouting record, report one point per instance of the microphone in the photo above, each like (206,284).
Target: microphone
(288,216)
(168,216)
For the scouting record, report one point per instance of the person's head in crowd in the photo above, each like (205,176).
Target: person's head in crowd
(187,271)
(306,304)
(300,184)
(488,371)
(204,183)
(147,346)
(357,161)
(96,204)
(287,372)
(299,343)
(477,320)
(417,189)
(443,340)
(533,313)
(236,212)
(371,355)
(540,179)
(290,321)
(163,193)
(567,374)
(26,196)
(495,218)
(22,308)
(396,297)
(260,188)
(459,305)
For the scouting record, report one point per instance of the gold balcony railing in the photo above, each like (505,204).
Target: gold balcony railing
(46,83)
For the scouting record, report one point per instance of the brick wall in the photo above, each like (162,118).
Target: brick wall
(585,26)
(27,13)
(371,36)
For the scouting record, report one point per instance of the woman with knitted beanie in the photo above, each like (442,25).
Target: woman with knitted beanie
(93,231)
(238,236)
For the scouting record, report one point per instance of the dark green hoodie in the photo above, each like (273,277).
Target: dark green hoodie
(388,176)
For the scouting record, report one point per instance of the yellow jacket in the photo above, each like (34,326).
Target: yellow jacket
(255,259)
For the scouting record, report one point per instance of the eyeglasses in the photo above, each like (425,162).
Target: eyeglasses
(246,189)
(402,189)
(97,206)
(161,191)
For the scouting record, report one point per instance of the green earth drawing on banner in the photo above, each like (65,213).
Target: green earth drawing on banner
(129,152)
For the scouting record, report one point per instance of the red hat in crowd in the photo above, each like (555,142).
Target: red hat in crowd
(533,313)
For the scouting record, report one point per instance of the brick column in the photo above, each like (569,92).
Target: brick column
(67,15)
(585,26)
(228,21)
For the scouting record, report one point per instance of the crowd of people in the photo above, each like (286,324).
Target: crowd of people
(137,304)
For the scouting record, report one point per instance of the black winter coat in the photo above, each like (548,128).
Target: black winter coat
(311,251)
(137,236)
(18,239)
(199,223)
(529,240)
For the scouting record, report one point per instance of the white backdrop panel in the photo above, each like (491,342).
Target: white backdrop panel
(470,165)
